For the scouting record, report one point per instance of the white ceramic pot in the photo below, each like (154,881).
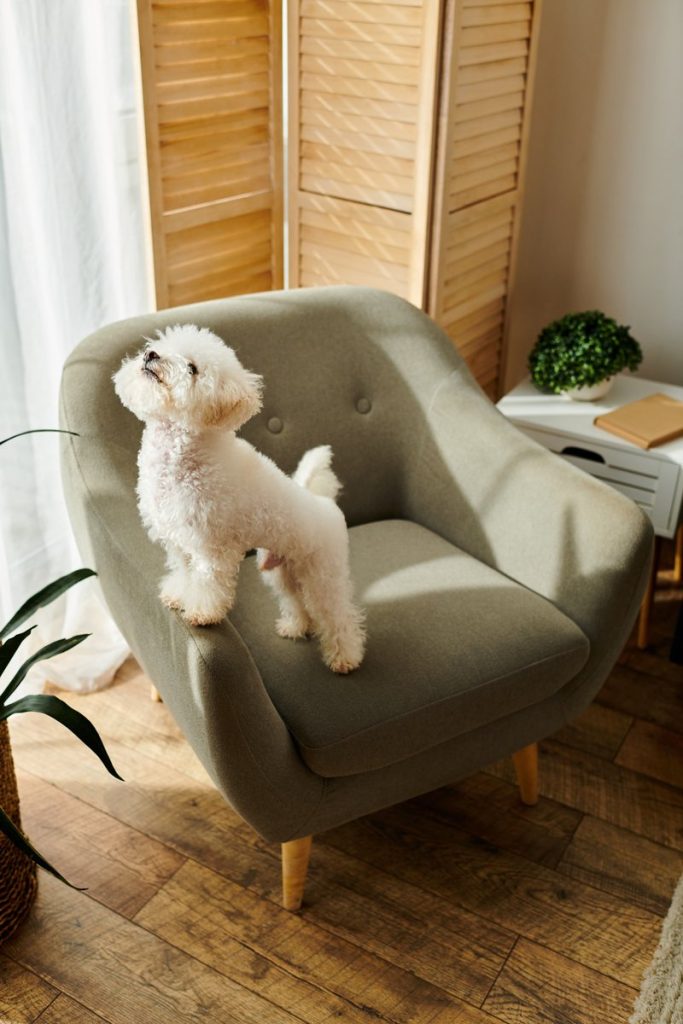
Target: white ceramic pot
(592,393)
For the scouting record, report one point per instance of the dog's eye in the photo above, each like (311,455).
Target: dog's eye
(192,369)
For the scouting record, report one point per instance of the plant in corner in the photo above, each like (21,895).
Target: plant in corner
(580,353)
(18,857)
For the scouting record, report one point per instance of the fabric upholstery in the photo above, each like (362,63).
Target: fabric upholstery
(452,645)
(431,449)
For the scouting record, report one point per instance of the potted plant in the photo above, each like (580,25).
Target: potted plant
(18,858)
(579,354)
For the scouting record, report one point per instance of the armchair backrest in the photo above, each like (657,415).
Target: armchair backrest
(350,367)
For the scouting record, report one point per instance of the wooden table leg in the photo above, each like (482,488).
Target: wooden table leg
(646,606)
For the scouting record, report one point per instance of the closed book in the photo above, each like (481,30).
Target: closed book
(648,422)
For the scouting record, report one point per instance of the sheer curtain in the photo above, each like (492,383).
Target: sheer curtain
(71,259)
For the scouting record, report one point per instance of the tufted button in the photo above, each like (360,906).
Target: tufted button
(363,405)
(274,425)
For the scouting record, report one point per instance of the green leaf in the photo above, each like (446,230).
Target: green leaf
(9,649)
(19,839)
(49,651)
(581,349)
(73,720)
(39,430)
(45,597)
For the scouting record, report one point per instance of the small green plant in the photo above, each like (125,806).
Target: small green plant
(78,724)
(580,350)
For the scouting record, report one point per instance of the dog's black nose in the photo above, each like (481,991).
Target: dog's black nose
(150,356)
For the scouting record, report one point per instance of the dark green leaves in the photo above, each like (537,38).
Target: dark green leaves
(582,349)
(77,723)
(8,650)
(55,708)
(49,651)
(44,597)
(19,839)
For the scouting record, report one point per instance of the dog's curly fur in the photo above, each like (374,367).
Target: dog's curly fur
(209,496)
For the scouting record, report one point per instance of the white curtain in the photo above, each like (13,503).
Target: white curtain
(71,259)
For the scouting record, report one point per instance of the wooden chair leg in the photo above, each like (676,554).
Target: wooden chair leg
(155,695)
(526,770)
(295,856)
(678,555)
(646,606)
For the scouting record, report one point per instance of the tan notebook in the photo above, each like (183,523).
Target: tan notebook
(648,422)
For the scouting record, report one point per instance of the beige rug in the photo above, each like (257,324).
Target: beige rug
(661,994)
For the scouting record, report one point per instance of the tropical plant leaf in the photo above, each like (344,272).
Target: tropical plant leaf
(73,720)
(17,837)
(49,651)
(45,597)
(9,649)
(39,430)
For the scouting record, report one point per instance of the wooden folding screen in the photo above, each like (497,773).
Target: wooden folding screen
(406,144)
(212,96)
(407,127)
(362,97)
(487,76)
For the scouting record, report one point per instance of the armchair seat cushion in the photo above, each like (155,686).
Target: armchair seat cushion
(452,645)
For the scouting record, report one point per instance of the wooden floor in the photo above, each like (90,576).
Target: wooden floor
(462,906)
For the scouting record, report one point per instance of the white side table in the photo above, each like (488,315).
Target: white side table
(653,478)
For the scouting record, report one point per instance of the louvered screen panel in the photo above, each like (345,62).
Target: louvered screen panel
(211,79)
(342,242)
(474,279)
(362,95)
(489,54)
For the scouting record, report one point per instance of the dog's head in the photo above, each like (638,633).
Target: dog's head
(188,375)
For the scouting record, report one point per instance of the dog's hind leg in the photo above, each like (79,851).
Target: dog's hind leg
(294,622)
(339,624)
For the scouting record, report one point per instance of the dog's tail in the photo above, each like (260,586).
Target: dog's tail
(315,474)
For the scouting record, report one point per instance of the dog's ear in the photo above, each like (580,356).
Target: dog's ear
(238,399)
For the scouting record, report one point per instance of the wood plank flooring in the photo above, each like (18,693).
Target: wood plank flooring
(460,907)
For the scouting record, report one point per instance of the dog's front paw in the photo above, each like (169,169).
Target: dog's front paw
(204,616)
(204,601)
(171,590)
(291,628)
(170,601)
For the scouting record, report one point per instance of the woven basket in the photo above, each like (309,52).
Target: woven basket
(17,872)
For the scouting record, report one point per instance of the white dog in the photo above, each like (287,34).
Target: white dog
(209,496)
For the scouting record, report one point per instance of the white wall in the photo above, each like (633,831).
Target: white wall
(602,223)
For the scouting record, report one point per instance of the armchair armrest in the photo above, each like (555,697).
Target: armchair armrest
(489,489)
(207,678)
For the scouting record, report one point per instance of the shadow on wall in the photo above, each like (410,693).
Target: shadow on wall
(567,81)
(603,204)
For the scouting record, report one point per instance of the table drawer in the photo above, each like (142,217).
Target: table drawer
(651,482)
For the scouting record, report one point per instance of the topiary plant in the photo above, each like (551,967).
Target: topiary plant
(580,350)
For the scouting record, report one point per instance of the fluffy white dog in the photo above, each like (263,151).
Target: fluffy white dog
(209,496)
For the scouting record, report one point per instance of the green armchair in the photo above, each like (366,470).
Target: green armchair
(500,583)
